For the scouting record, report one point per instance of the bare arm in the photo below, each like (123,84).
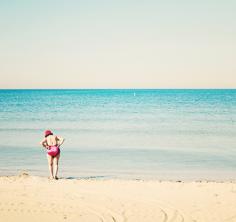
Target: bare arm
(44,143)
(60,140)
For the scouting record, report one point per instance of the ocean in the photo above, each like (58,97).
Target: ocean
(165,134)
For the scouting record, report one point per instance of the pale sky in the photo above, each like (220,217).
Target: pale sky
(118,44)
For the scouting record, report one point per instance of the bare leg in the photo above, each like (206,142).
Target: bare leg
(50,165)
(55,163)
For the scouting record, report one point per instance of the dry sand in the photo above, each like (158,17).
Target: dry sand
(29,198)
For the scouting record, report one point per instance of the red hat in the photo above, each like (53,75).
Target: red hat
(47,133)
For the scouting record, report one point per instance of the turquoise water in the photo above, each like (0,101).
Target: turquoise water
(156,134)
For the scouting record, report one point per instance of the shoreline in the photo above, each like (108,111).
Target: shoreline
(116,178)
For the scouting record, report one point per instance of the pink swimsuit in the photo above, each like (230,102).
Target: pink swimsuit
(53,150)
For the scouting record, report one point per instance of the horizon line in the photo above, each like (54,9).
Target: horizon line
(117,88)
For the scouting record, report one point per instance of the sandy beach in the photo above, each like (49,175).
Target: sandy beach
(30,198)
